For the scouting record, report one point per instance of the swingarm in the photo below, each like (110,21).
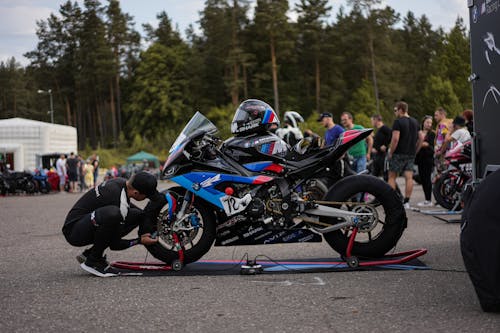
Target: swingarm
(351,219)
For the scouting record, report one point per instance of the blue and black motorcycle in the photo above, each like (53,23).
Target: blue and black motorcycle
(221,198)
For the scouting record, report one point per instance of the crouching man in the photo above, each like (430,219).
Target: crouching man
(104,215)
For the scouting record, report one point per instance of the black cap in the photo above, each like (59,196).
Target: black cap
(145,183)
(324,115)
(459,121)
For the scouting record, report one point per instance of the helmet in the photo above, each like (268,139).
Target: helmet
(253,116)
(293,118)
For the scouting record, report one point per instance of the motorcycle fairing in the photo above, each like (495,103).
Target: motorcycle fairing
(203,184)
(264,166)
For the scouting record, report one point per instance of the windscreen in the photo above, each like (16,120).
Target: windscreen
(197,125)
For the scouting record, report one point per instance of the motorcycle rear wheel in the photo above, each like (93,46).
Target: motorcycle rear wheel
(390,216)
(164,249)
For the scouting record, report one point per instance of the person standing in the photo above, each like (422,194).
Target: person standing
(425,159)
(95,163)
(360,152)
(381,142)
(333,130)
(72,164)
(81,173)
(403,148)
(443,128)
(61,171)
(89,174)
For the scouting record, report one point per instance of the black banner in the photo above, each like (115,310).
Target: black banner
(485,60)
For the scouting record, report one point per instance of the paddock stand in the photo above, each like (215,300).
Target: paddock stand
(441,212)
(176,265)
(253,267)
(389,259)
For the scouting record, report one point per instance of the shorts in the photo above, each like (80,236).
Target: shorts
(72,176)
(401,162)
(62,179)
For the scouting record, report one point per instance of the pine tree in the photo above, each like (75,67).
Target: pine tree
(271,25)
(311,41)
(123,40)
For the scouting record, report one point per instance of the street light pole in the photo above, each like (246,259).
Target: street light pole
(51,103)
(51,107)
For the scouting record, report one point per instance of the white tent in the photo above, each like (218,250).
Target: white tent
(26,141)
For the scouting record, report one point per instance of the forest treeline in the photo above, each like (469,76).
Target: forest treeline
(121,89)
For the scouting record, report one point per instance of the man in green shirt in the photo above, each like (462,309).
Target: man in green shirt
(360,151)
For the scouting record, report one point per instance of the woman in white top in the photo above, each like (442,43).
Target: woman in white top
(459,136)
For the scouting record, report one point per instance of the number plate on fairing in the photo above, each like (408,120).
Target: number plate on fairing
(233,205)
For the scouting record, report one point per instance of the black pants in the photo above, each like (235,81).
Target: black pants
(104,228)
(378,166)
(425,171)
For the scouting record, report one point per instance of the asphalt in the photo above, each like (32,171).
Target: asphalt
(43,289)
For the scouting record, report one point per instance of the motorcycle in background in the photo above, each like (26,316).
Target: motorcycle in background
(14,182)
(41,180)
(449,188)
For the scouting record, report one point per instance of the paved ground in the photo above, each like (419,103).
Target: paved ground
(43,289)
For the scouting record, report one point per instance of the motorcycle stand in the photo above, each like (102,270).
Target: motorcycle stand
(389,259)
(176,265)
(438,213)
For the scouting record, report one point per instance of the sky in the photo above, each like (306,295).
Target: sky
(18,17)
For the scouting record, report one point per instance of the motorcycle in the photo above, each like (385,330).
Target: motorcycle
(18,182)
(218,199)
(41,181)
(448,189)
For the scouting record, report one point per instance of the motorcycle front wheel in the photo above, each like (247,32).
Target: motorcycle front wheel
(195,242)
(367,194)
(445,190)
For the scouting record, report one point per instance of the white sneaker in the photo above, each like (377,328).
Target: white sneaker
(425,203)
(407,205)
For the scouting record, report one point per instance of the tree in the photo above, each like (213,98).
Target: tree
(123,40)
(271,25)
(420,45)
(160,87)
(311,38)
(439,92)
(453,62)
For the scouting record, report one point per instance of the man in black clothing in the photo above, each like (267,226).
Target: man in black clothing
(104,215)
(72,163)
(404,143)
(381,142)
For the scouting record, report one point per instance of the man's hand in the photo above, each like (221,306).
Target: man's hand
(368,156)
(147,240)
(383,148)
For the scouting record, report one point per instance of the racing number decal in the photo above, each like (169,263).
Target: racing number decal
(234,205)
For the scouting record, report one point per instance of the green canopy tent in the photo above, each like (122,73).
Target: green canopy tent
(143,156)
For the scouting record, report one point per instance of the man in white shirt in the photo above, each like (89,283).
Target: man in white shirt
(61,171)
(459,136)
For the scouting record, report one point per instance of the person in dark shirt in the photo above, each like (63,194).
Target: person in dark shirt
(333,131)
(404,143)
(104,215)
(381,142)
(425,159)
(72,163)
